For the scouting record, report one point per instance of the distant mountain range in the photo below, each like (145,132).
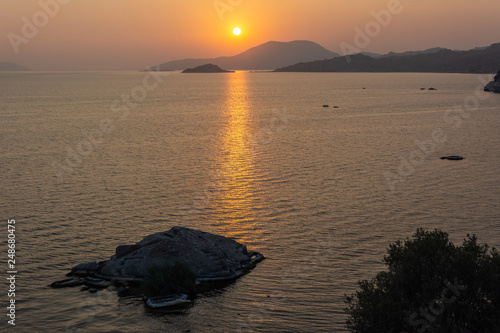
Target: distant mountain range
(437,60)
(407,53)
(10,66)
(267,56)
(307,56)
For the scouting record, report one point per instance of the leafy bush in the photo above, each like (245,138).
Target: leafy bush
(168,279)
(431,286)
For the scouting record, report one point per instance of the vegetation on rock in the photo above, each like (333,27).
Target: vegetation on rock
(169,279)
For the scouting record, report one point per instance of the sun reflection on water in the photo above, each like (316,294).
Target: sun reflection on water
(235,205)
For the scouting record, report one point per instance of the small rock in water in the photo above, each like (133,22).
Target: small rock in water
(452,158)
(494,85)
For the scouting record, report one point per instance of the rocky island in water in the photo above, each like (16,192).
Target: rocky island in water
(169,267)
(208,68)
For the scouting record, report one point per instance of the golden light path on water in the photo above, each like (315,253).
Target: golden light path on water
(234,205)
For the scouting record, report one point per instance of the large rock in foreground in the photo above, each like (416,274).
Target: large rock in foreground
(210,257)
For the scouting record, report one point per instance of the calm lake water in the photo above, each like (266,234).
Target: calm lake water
(94,160)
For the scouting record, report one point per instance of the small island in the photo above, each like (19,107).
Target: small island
(168,267)
(208,68)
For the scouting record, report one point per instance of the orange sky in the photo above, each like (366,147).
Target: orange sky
(132,34)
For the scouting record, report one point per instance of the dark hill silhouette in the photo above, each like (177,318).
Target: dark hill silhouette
(267,56)
(406,53)
(411,53)
(479,60)
(10,66)
(208,68)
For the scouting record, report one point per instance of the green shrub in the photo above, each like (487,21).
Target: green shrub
(176,278)
(431,286)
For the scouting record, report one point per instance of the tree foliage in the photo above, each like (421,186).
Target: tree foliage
(169,279)
(431,286)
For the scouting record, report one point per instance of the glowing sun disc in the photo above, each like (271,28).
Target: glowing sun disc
(237,31)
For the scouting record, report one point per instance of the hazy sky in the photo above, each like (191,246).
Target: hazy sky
(132,34)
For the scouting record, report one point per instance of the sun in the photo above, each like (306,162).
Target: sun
(237,31)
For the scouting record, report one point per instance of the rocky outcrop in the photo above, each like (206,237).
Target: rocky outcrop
(210,257)
(494,86)
(208,68)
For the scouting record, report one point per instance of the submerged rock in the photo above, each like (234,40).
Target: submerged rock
(96,283)
(170,301)
(210,257)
